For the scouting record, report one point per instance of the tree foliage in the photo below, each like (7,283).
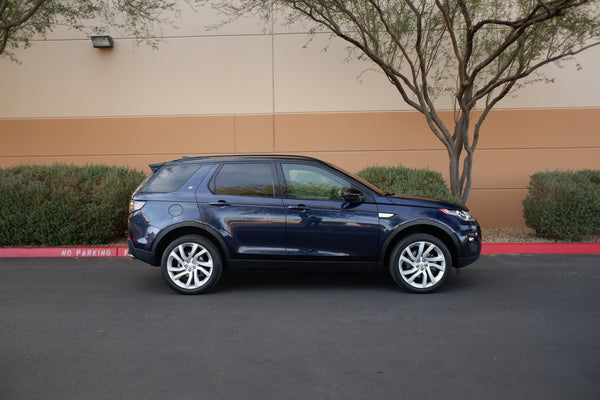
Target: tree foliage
(476,51)
(22,20)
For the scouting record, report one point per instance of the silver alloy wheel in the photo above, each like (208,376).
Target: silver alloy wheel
(422,264)
(190,265)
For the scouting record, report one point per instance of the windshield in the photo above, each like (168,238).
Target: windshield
(361,180)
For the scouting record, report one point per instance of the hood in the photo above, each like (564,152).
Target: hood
(406,200)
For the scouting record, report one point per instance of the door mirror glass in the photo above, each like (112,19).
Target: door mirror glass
(353,196)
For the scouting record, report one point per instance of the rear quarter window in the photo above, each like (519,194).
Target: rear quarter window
(170,178)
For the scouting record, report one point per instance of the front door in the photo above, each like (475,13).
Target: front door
(321,226)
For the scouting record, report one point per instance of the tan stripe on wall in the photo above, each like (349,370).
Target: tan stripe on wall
(514,144)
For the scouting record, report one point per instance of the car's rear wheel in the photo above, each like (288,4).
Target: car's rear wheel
(191,264)
(420,263)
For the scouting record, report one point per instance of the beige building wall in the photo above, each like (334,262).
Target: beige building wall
(244,89)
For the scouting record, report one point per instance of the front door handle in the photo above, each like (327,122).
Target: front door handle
(220,203)
(299,207)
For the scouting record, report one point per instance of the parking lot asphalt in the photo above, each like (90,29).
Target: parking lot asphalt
(506,327)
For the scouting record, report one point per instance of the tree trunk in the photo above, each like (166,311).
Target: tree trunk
(460,179)
(454,167)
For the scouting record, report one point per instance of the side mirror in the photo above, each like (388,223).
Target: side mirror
(353,196)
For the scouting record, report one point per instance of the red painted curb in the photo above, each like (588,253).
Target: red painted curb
(64,252)
(540,248)
(487,248)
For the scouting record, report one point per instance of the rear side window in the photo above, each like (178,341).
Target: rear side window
(170,178)
(241,179)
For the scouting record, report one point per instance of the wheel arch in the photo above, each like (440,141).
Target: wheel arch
(429,227)
(178,230)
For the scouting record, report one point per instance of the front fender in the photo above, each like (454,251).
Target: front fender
(423,225)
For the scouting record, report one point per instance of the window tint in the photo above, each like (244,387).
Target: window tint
(308,182)
(170,178)
(244,180)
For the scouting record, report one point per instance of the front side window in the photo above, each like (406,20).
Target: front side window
(313,183)
(241,179)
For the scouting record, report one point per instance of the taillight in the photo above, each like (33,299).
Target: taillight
(135,205)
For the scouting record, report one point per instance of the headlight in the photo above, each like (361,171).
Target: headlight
(135,205)
(462,214)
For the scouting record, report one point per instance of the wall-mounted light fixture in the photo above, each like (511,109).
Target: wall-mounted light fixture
(102,42)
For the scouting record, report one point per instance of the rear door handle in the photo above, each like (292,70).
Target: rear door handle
(299,207)
(220,203)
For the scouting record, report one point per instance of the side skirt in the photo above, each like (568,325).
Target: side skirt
(301,265)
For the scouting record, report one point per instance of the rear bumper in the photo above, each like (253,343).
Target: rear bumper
(143,255)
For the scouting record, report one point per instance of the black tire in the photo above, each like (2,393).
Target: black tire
(420,263)
(191,264)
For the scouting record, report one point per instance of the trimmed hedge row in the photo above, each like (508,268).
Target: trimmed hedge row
(401,180)
(69,205)
(563,205)
(64,204)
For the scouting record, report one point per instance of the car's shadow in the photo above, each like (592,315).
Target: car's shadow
(320,280)
(303,280)
(240,280)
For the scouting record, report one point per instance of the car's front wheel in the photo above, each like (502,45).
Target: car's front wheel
(191,264)
(420,263)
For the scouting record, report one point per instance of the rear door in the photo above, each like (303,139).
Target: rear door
(242,201)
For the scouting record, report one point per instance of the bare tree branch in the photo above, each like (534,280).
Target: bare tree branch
(523,74)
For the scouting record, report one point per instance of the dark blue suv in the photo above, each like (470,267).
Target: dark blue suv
(197,216)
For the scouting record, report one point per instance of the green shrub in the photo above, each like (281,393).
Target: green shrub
(64,204)
(401,180)
(563,205)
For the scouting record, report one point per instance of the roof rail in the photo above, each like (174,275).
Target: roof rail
(247,156)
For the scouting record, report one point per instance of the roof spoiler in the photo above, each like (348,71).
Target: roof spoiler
(155,167)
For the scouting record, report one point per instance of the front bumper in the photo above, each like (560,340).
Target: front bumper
(471,248)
